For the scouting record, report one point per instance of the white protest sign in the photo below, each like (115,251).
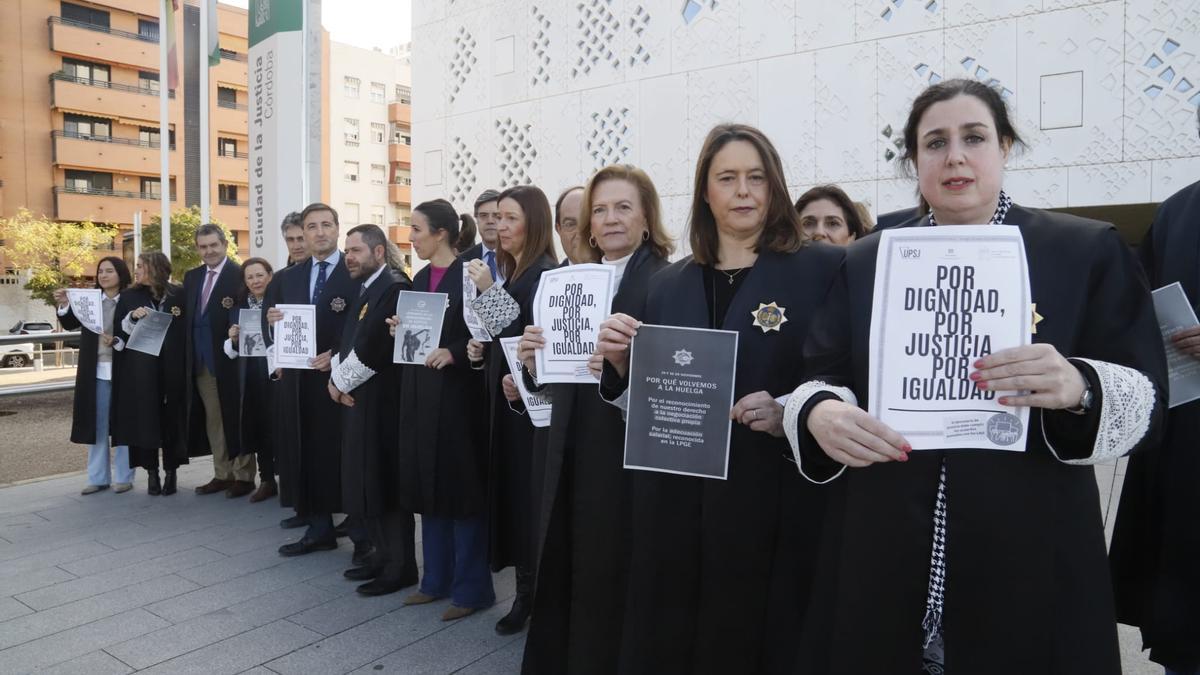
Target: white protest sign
(945,297)
(296,336)
(85,305)
(569,306)
(474,323)
(536,405)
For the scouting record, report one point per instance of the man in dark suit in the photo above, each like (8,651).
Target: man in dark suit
(310,470)
(213,399)
(487,218)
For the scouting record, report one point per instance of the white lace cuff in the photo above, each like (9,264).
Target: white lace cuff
(1127,404)
(348,375)
(791,418)
(127,323)
(230,351)
(496,308)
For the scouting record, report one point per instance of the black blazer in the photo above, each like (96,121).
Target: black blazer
(215,328)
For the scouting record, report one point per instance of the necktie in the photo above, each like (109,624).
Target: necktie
(320,280)
(490,257)
(208,285)
(362,289)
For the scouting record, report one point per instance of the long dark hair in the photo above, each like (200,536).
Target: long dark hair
(851,214)
(121,268)
(539,229)
(466,233)
(156,267)
(944,91)
(781,228)
(459,229)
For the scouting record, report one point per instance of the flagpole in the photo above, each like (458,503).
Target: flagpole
(164,132)
(205,190)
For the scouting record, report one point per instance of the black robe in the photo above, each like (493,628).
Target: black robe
(228,286)
(370,439)
(1028,587)
(148,391)
(510,526)
(83,412)
(582,516)
(719,569)
(1156,543)
(443,463)
(310,469)
(255,405)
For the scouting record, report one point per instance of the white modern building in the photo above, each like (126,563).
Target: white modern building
(546,91)
(370,139)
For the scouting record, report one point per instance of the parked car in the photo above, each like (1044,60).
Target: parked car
(39,327)
(16,356)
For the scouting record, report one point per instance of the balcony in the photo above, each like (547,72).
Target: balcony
(233,214)
(105,153)
(231,168)
(231,69)
(231,117)
(399,235)
(400,152)
(400,194)
(98,43)
(104,98)
(149,8)
(103,206)
(400,112)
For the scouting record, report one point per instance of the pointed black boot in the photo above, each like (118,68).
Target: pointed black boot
(154,487)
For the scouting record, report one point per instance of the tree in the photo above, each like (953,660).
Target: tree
(53,252)
(183,239)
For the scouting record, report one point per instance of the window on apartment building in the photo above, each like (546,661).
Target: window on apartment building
(149,136)
(94,73)
(81,14)
(378,92)
(403,178)
(377,215)
(148,28)
(87,181)
(350,131)
(401,134)
(227,97)
(148,81)
(350,214)
(403,94)
(227,147)
(378,132)
(151,187)
(350,87)
(227,195)
(83,126)
(351,172)
(378,174)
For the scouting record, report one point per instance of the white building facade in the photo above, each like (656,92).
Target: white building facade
(365,85)
(546,92)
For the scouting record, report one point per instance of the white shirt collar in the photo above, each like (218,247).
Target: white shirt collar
(333,259)
(370,280)
(220,266)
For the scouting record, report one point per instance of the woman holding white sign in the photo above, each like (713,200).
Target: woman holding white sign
(583,519)
(977,560)
(255,407)
(93,379)
(148,390)
(442,467)
(526,250)
(719,569)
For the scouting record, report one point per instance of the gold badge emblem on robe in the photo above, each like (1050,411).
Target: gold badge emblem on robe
(338,304)
(1037,318)
(362,312)
(176,311)
(769,316)
(227,302)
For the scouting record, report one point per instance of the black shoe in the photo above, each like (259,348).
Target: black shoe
(340,531)
(168,487)
(154,486)
(364,573)
(305,546)
(514,621)
(293,522)
(384,585)
(362,553)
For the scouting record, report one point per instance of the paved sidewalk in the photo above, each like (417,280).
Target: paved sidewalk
(117,583)
(185,584)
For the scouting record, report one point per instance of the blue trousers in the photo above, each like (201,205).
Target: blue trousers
(1168,671)
(456,561)
(98,468)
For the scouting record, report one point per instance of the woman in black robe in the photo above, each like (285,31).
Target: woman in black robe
(718,569)
(978,561)
(91,415)
(443,461)
(254,382)
(526,250)
(1156,542)
(582,515)
(148,390)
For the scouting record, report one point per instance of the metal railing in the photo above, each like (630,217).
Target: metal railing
(105,192)
(39,339)
(231,202)
(230,55)
(102,29)
(232,106)
(105,84)
(137,142)
(234,154)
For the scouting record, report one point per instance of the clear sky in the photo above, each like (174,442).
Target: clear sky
(363,23)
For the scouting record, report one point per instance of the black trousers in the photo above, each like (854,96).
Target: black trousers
(394,536)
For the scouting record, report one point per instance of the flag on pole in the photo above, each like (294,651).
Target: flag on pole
(171,7)
(214,39)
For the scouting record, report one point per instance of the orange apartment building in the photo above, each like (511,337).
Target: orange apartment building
(79,134)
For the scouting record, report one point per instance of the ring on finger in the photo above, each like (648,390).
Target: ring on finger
(755,411)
